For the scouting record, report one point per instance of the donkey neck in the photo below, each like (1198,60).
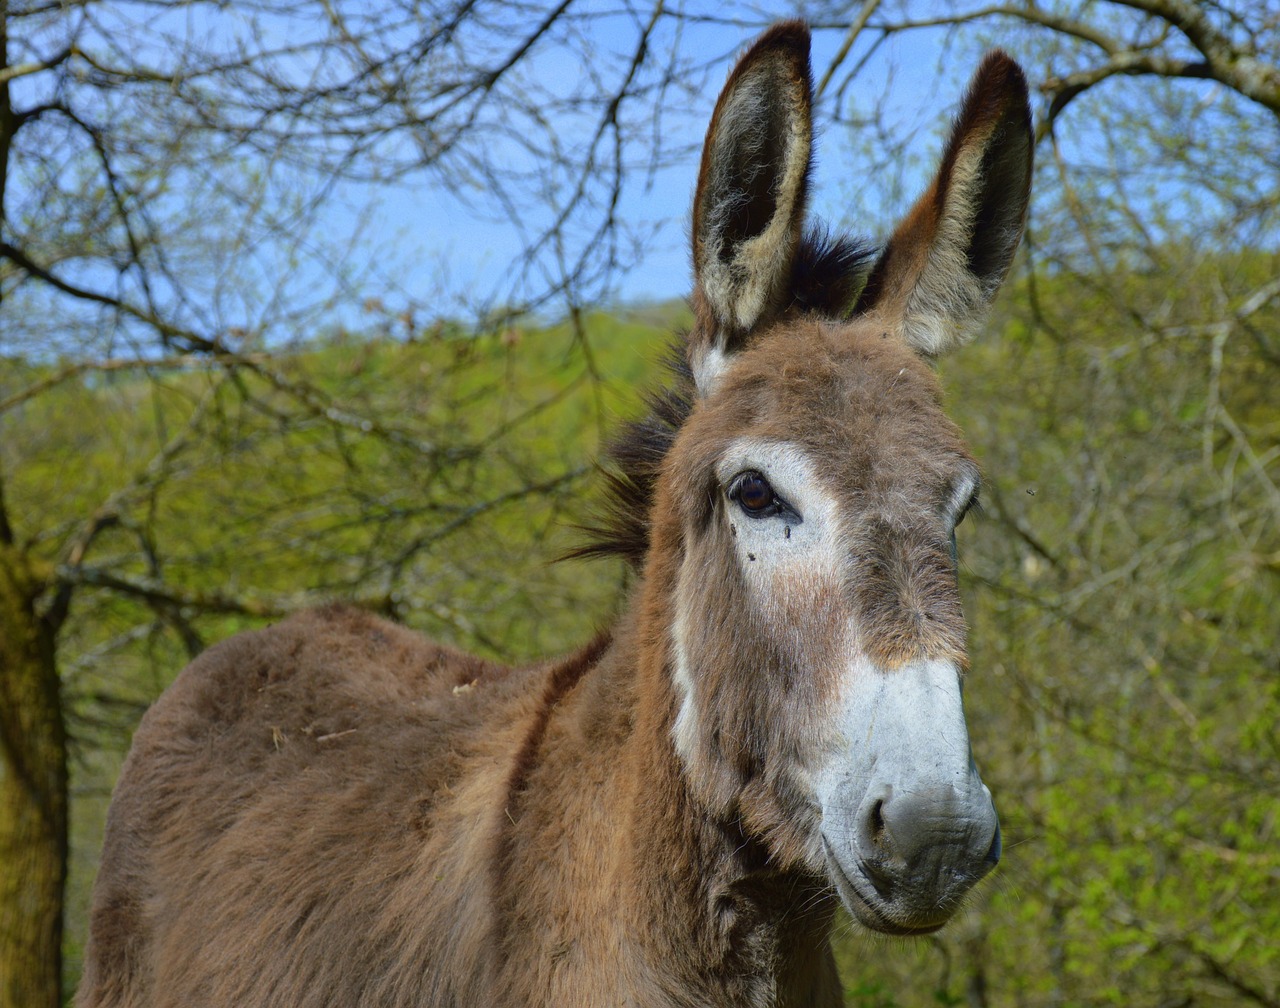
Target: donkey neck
(635,891)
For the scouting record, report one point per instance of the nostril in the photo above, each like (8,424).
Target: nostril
(875,823)
(875,836)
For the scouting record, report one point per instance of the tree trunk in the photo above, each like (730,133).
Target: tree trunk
(33,796)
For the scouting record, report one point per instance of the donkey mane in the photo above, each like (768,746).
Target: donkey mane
(827,277)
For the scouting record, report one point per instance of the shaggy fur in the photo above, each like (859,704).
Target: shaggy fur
(336,811)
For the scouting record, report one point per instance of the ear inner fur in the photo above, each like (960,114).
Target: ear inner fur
(749,206)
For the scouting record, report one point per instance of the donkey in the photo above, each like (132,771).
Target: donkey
(336,811)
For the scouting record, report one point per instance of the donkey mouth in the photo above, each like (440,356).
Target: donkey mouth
(873,910)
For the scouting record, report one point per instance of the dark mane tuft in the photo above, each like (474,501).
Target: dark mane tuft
(830,271)
(827,276)
(631,465)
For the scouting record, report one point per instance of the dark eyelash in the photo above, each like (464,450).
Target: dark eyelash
(778,506)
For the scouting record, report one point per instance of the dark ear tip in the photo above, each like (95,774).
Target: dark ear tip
(784,47)
(786,36)
(1000,75)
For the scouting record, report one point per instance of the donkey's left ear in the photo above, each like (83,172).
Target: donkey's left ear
(946,260)
(749,205)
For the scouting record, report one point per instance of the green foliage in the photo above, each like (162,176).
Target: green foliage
(1124,609)
(441,490)
(869,995)
(1122,588)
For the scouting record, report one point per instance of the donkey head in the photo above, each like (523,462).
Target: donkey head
(809,500)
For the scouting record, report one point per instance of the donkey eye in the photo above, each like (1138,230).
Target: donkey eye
(754,495)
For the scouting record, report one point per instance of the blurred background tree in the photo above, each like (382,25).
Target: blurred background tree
(1123,579)
(224,394)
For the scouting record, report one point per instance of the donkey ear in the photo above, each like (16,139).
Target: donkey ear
(941,269)
(749,205)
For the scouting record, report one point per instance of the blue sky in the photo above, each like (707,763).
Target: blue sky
(414,244)
(247,260)
(436,240)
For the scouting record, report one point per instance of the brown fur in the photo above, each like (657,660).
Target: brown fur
(335,811)
(871,409)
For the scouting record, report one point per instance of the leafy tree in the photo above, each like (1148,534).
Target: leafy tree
(1123,592)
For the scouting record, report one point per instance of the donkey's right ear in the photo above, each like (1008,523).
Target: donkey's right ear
(749,206)
(946,260)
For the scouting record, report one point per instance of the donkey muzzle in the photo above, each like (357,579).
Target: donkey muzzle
(908,826)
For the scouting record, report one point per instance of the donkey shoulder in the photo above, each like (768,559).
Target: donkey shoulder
(302,674)
(324,700)
(295,779)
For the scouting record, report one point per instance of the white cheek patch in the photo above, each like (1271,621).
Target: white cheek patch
(962,493)
(775,554)
(772,553)
(684,732)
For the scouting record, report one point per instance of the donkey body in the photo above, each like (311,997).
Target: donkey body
(335,811)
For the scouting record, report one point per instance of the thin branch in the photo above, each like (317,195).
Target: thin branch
(855,29)
(1064,90)
(17,70)
(1242,71)
(151,365)
(157,593)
